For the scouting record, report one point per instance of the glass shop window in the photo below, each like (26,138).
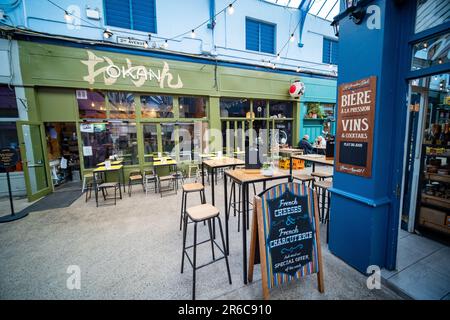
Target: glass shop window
(91,104)
(186,141)
(192,107)
(431,52)
(150,141)
(284,134)
(280,109)
(9,139)
(168,138)
(260,108)
(157,106)
(234,107)
(431,13)
(8,102)
(102,140)
(121,105)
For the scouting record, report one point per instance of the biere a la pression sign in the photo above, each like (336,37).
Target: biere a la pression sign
(355,127)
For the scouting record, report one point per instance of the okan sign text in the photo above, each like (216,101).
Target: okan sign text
(354,134)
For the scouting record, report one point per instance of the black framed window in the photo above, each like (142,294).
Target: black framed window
(8,102)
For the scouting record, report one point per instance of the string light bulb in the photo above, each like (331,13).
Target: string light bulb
(145,44)
(107,34)
(273,66)
(278,56)
(193,34)
(165,44)
(292,38)
(68,17)
(230,9)
(298,69)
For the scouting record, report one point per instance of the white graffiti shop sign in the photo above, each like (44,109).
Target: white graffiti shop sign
(110,72)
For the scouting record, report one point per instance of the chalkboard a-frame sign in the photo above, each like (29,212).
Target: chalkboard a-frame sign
(284,238)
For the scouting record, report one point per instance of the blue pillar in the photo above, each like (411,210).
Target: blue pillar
(364,213)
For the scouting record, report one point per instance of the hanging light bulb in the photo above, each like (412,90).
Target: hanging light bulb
(273,66)
(230,9)
(425,45)
(68,17)
(440,61)
(193,34)
(298,69)
(165,44)
(107,34)
(278,56)
(145,44)
(292,38)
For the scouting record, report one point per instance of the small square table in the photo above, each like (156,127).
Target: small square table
(244,177)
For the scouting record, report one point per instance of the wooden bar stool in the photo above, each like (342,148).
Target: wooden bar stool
(189,188)
(236,205)
(322,175)
(202,213)
(322,189)
(304,178)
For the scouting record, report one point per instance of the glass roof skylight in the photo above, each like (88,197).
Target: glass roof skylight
(325,9)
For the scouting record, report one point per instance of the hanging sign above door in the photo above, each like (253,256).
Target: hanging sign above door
(355,126)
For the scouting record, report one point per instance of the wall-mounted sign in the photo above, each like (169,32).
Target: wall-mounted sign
(284,238)
(8,158)
(131,42)
(104,69)
(354,133)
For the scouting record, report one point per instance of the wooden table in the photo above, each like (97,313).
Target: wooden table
(244,177)
(314,158)
(113,163)
(319,149)
(113,168)
(290,151)
(215,163)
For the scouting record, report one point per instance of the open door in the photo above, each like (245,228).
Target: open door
(35,164)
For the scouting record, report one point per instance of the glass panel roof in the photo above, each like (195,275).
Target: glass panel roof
(326,9)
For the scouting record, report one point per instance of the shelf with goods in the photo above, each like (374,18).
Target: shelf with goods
(434,199)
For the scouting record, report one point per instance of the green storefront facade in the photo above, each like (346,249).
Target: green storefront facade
(143,102)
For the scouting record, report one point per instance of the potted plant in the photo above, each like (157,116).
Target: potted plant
(267,169)
(314,111)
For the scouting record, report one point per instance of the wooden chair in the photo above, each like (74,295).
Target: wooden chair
(135,177)
(171,180)
(105,186)
(150,178)
(203,213)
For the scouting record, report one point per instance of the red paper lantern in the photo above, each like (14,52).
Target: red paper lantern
(297,89)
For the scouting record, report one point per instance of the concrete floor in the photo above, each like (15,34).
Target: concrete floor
(133,251)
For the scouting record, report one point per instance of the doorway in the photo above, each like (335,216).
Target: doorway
(426,203)
(62,152)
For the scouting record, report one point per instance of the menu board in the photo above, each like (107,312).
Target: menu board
(8,157)
(284,237)
(355,126)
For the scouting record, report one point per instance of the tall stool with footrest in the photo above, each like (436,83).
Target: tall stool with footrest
(202,213)
(189,188)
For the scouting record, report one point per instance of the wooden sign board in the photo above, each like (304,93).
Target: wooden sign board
(285,237)
(354,133)
(8,158)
